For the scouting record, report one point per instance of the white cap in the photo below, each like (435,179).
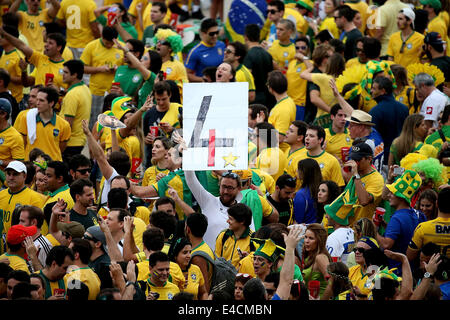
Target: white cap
(17,166)
(408,12)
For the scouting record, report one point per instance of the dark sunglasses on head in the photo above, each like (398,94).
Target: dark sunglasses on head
(84,171)
(213,33)
(272,11)
(360,250)
(230,175)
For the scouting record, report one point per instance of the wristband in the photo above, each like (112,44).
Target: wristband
(129,283)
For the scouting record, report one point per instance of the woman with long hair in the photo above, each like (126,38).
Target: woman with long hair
(327,193)
(315,256)
(364,227)
(404,92)
(427,203)
(339,285)
(180,253)
(410,139)
(305,201)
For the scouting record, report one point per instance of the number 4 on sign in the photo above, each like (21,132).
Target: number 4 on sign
(212,142)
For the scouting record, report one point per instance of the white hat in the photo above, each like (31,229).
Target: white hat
(408,12)
(360,117)
(17,166)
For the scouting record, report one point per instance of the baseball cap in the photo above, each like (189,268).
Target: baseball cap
(75,229)
(5,105)
(433,38)
(17,233)
(16,166)
(98,234)
(360,150)
(435,4)
(408,12)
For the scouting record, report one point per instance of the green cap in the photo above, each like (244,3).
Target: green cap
(435,4)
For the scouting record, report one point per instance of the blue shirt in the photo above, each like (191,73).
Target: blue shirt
(202,56)
(388,116)
(304,209)
(378,155)
(401,229)
(445,289)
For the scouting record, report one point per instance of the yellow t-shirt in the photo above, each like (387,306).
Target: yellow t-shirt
(48,136)
(436,231)
(359,279)
(329,24)
(337,141)
(175,71)
(246,265)
(281,117)
(10,62)
(229,249)
(294,157)
(78,15)
(61,193)
(16,262)
(195,279)
(282,54)
(11,145)
(9,201)
(437,24)
(45,65)
(407,98)
(166,292)
(354,62)
(140,225)
(77,105)
(150,175)
(361,7)
(330,167)
(176,275)
(411,50)
(95,55)
(273,161)
(177,184)
(67,54)
(32,26)
(326,93)
(244,75)
(268,184)
(296,85)
(88,277)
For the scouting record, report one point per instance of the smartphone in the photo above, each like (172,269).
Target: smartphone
(155,295)
(240,252)
(398,171)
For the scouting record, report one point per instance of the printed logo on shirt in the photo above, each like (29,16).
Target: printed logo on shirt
(429,110)
(170,296)
(168,71)
(347,139)
(135,78)
(409,46)
(285,54)
(219,51)
(117,56)
(55,132)
(41,23)
(1,141)
(299,69)
(193,277)
(321,165)
(61,71)
(7,62)
(205,55)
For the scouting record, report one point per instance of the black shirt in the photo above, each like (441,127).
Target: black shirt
(151,118)
(285,210)
(443,63)
(14,105)
(350,43)
(88,220)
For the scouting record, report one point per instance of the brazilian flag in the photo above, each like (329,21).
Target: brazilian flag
(344,205)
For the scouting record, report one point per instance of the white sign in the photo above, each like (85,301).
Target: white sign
(215,126)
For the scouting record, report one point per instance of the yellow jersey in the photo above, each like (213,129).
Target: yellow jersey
(10,62)
(175,71)
(48,135)
(282,53)
(244,75)
(294,157)
(273,161)
(95,54)
(228,249)
(16,262)
(32,26)
(78,15)
(45,65)
(337,141)
(176,275)
(194,278)
(330,167)
(354,62)
(406,96)
(405,51)
(246,265)
(359,279)
(436,231)
(146,20)
(296,85)
(77,105)
(437,24)
(322,80)
(9,201)
(268,184)
(151,173)
(166,292)
(281,117)
(88,277)
(11,144)
(50,286)
(61,193)
(329,24)
(203,247)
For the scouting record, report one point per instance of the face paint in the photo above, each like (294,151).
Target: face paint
(263,264)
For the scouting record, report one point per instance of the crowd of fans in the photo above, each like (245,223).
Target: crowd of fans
(346,196)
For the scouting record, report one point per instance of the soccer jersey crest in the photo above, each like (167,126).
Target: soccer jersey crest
(321,165)
(1,141)
(136,78)
(219,51)
(55,132)
(193,277)
(409,46)
(168,71)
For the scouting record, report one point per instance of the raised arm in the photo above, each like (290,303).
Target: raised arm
(54,8)
(133,121)
(135,62)
(431,268)
(58,209)
(407,279)
(287,270)
(348,109)
(19,44)
(14,6)
(97,151)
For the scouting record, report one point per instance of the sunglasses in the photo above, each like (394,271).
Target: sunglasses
(213,33)
(360,250)
(301,47)
(230,175)
(86,237)
(229,51)
(271,11)
(402,48)
(84,171)
(164,43)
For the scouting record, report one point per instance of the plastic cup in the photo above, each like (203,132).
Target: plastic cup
(154,130)
(314,288)
(49,78)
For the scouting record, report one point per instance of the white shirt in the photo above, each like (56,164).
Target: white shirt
(340,243)
(433,105)
(43,247)
(107,187)
(212,208)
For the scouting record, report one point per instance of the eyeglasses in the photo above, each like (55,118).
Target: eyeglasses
(229,51)
(301,47)
(84,171)
(213,33)
(89,238)
(272,11)
(360,250)
(244,275)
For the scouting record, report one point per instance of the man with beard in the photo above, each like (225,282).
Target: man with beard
(82,192)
